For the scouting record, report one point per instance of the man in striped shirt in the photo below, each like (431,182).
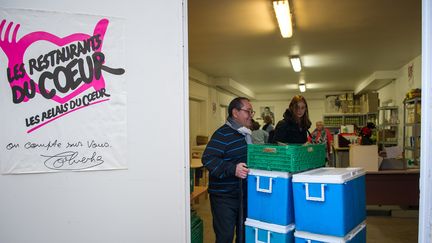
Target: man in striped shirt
(225,158)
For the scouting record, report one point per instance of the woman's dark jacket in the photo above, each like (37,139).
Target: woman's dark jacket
(288,131)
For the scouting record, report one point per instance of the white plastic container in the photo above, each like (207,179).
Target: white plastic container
(357,235)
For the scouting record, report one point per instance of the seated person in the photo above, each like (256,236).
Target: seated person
(259,136)
(366,133)
(321,135)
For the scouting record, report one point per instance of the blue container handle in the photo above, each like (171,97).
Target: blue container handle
(269,190)
(256,237)
(317,199)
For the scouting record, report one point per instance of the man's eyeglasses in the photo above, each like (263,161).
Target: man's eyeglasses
(251,112)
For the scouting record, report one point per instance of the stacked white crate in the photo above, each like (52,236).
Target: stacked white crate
(330,205)
(270,207)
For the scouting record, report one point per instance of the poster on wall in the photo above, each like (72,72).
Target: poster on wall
(333,104)
(267,111)
(62,92)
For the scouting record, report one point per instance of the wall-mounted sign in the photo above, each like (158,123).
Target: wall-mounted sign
(410,74)
(62,92)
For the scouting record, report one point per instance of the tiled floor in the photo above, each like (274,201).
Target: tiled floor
(402,227)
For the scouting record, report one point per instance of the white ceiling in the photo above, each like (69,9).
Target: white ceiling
(341,42)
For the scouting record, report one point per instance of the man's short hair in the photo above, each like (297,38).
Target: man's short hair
(236,104)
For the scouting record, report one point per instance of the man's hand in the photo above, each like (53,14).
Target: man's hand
(241,170)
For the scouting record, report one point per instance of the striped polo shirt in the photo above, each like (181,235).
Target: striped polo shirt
(226,148)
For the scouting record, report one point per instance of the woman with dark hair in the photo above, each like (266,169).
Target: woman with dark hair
(294,127)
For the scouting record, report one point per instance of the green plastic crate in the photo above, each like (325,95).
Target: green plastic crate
(197,228)
(192,180)
(289,158)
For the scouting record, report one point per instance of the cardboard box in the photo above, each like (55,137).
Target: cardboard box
(388,135)
(346,140)
(369,102)
(364,156)
(412,117)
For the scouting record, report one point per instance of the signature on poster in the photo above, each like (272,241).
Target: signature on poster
(72,160)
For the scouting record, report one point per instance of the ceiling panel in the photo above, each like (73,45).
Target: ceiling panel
(341,43)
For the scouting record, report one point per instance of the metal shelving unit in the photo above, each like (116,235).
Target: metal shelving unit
(371,117)
(411,132)
(334,121)
(388,125)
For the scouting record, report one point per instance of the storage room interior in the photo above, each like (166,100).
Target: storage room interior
(361,63)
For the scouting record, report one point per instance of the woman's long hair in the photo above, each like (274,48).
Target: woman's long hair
(304,121)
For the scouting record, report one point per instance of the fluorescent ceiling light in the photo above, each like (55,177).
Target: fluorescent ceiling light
(302,88)
(283,15)
(295,63)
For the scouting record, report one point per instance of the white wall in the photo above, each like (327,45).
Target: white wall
(202,88)
(147,202)
(197,119)
(397,90)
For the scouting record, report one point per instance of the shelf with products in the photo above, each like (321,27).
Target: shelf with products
(332,120)
(336,120)
(354,119)
(387,126)
(411,131)
(343,119)
(371,117)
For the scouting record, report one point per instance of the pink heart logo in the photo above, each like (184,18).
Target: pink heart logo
(19,78)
